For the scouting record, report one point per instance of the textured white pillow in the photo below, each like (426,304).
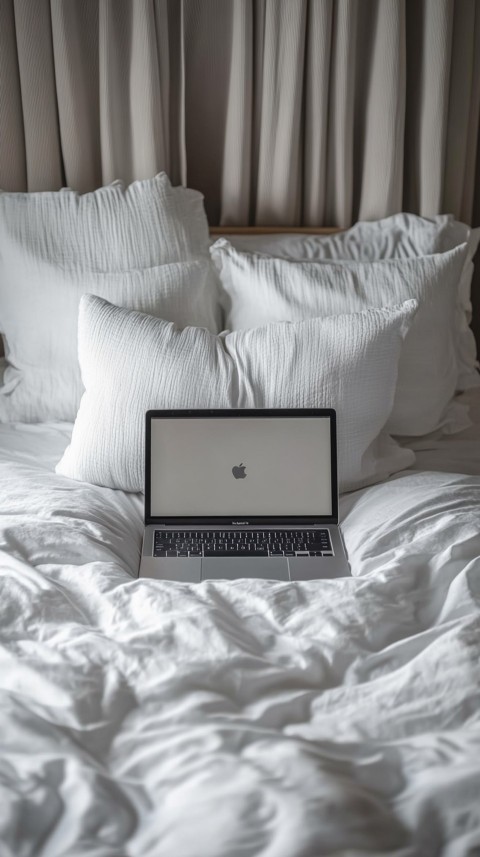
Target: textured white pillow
(43,380)
(259,289)
(399,236)
(144,246)
(348,362)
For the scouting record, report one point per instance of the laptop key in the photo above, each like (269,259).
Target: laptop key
(236,553)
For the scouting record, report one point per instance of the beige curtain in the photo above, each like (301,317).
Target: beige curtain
(281,111)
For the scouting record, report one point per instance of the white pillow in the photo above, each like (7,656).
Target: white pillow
(259,289)
(43,379)
(348,362)
(399,236)
(124,243)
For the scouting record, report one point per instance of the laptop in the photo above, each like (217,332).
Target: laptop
(241,494)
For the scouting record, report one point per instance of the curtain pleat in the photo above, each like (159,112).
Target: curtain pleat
(288,112)
(76,55)
(133,112)
(43,154)
(463,112)
(13,166)
(280,80)
(339,177)
(317,96)
(428,73)
(379,109)
(237,167)
(208,36)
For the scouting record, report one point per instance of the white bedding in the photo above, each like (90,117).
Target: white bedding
(246,718)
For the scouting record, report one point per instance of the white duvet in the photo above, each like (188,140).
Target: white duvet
(149,719)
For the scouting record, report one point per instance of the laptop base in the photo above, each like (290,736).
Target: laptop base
(195,570)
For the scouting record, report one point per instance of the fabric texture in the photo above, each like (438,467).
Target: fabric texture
(348,362)
(144,246)
(399,236)
(260,289)
(286,112)
(280,112)
(322,718)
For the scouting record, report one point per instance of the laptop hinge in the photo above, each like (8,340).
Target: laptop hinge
(297,524)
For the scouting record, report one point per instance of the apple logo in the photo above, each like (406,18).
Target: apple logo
(239,471)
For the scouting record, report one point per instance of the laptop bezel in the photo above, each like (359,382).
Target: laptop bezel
(254,520)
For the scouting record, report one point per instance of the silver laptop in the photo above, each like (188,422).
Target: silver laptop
(241,493)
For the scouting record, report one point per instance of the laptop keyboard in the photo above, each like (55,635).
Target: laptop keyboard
(249,543)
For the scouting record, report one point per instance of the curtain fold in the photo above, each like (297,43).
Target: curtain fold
(280,81)
(380,109)
(288,112)
(39,106)
(76,59)
(236,171)
(317,68)
(13,162)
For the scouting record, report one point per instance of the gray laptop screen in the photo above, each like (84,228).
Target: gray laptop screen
(251,466)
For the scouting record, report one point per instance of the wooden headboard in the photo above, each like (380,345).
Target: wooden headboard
(273,230)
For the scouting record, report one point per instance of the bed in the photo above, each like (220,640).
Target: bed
(148,718)
(141,718)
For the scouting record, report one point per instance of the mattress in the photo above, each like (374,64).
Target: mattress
(140,717)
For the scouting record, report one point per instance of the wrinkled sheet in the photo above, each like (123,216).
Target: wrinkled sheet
(241,718)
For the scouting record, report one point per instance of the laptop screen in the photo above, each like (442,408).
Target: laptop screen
(250,466)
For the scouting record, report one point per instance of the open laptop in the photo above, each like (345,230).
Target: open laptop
(241,493)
